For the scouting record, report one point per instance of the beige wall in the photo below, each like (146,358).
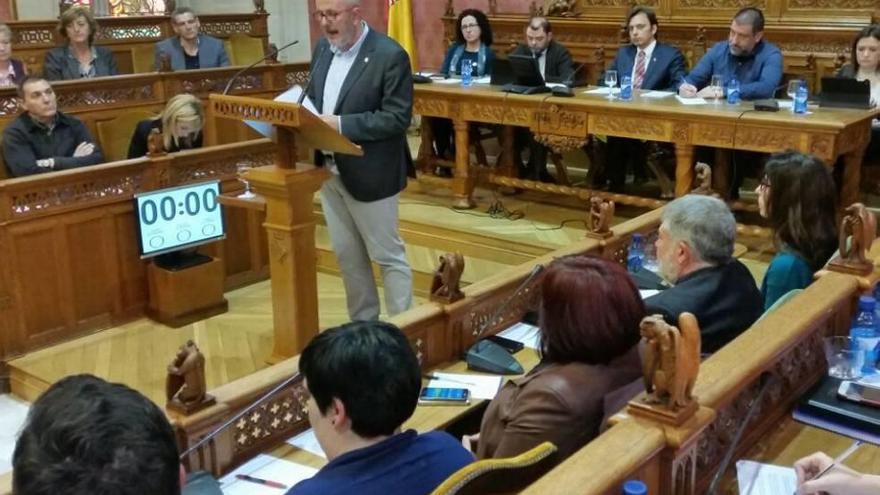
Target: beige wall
(36,9)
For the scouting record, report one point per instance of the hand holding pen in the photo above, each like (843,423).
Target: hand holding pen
(820,473)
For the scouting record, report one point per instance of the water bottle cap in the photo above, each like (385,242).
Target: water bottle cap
(637,237)
(635,487)
(867,302)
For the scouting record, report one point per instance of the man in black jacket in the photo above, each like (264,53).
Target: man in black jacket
(554,63)
(42,139)
(695,253)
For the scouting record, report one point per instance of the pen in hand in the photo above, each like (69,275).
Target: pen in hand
(837,460)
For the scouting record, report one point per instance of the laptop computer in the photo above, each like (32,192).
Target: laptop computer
(502,72)
(838,92)
(527,76)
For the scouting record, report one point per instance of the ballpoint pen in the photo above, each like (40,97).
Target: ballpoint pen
(260,481)
(837,460)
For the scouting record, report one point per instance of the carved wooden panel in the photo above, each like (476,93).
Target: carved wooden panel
(555,120)
(629,127)
(283,415)
(146,31)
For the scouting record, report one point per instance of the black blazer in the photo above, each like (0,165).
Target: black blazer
(724,298)
(665,70)
(375,109)
(558,66)
(139,147)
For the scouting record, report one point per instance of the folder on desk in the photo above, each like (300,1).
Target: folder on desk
(823,408)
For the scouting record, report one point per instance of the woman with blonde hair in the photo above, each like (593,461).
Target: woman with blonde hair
(12,70)
(180,124)
(79,57)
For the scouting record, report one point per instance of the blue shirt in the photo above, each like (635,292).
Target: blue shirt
(404,464)
(787,271)
(759,73)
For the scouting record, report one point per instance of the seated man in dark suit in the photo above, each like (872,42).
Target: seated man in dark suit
(42,139)
(364,380)
(652,66)
(190,49)
(554,63)
(695,254)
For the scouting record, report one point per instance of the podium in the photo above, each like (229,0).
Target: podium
(288,188)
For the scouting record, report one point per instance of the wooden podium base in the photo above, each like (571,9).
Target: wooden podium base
(178,298)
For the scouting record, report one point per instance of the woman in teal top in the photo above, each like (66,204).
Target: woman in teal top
(797,195)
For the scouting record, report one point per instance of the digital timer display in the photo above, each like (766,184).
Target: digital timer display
(178,218)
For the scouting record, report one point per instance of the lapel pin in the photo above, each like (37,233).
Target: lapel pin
(366,59)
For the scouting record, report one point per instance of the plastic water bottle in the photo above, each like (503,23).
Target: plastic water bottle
(635,487)
(467,73)
(800,99)
(626,88)
(864,333)
(636,257)
(733,92)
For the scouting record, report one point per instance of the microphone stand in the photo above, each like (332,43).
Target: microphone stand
(305,90)
(490,357)
(242,71)
(210,436)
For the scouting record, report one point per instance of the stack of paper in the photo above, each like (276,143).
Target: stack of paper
(756,478)
(267,468)
(480,386)
(309,442)
(691,101)
(525,334)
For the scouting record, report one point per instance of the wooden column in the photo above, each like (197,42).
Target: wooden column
(684,168)
(290,225)
(462,182)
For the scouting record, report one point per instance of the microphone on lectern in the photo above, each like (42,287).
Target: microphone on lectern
(242,71)
(490,357)
(308,86)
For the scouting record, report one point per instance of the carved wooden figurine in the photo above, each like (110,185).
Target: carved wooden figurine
(703,180)
(560,8)
(450,9)
(601,217)
(155,144)
(170,5)
(857,232)
(670,363)
(447,279)
(260,6)
(164,62)
(185,386)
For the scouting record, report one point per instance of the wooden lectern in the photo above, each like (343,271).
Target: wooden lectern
(288,188)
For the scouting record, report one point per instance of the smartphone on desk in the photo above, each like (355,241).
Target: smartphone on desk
(444,396)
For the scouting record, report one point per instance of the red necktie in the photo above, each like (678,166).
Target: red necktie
(640,70)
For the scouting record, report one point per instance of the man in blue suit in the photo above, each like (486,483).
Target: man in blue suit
(652,66)
(190,49)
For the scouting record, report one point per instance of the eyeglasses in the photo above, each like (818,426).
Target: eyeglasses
(330,15)
(469,26)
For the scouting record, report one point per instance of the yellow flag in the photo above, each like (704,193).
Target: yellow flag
(400,28)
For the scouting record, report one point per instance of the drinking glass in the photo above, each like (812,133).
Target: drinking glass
(793,86)
(243,167)
(717,86)
(611,82)
(845,358)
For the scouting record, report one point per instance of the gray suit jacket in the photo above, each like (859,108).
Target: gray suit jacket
(375,109)
(60,65)
(212,53)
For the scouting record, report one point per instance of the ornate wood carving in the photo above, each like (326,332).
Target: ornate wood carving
(555,120)
(703,186)
(72,98)
(122,183)
(527,300)
(450,9)
(260,6)
(446,284)
(767,139)
(285,414)
(831,4)
(717,135)
(560,144)
(185,387)
(429,107)
(170,5)
(563,8)
(145,31)
(601,217)
(629,126)
(858,228)
(225,28)
(729,4)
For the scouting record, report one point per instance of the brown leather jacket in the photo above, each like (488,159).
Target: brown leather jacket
(560,403)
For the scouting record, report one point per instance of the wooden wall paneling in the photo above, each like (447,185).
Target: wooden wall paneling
(132,291)
(94,274)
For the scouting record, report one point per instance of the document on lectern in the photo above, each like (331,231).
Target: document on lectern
(289,96)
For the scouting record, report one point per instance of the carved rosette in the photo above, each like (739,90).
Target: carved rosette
(285,414)
(34,36)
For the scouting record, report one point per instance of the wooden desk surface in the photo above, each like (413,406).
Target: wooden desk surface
(425,418)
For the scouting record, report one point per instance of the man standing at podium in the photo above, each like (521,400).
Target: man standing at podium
(362,84)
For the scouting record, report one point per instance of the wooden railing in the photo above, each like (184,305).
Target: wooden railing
(439,333)
(127,35)
(69,242)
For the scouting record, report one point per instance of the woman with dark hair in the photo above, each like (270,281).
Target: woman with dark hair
(865,66)
(473,41)
(589,318)
(797,194)
(79,57)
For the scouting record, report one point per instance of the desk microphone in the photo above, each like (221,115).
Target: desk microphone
(766,379)
(242,71)
(210,436)
(302,96)
(490,357)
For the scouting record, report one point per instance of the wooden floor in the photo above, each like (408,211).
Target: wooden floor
(238,342)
